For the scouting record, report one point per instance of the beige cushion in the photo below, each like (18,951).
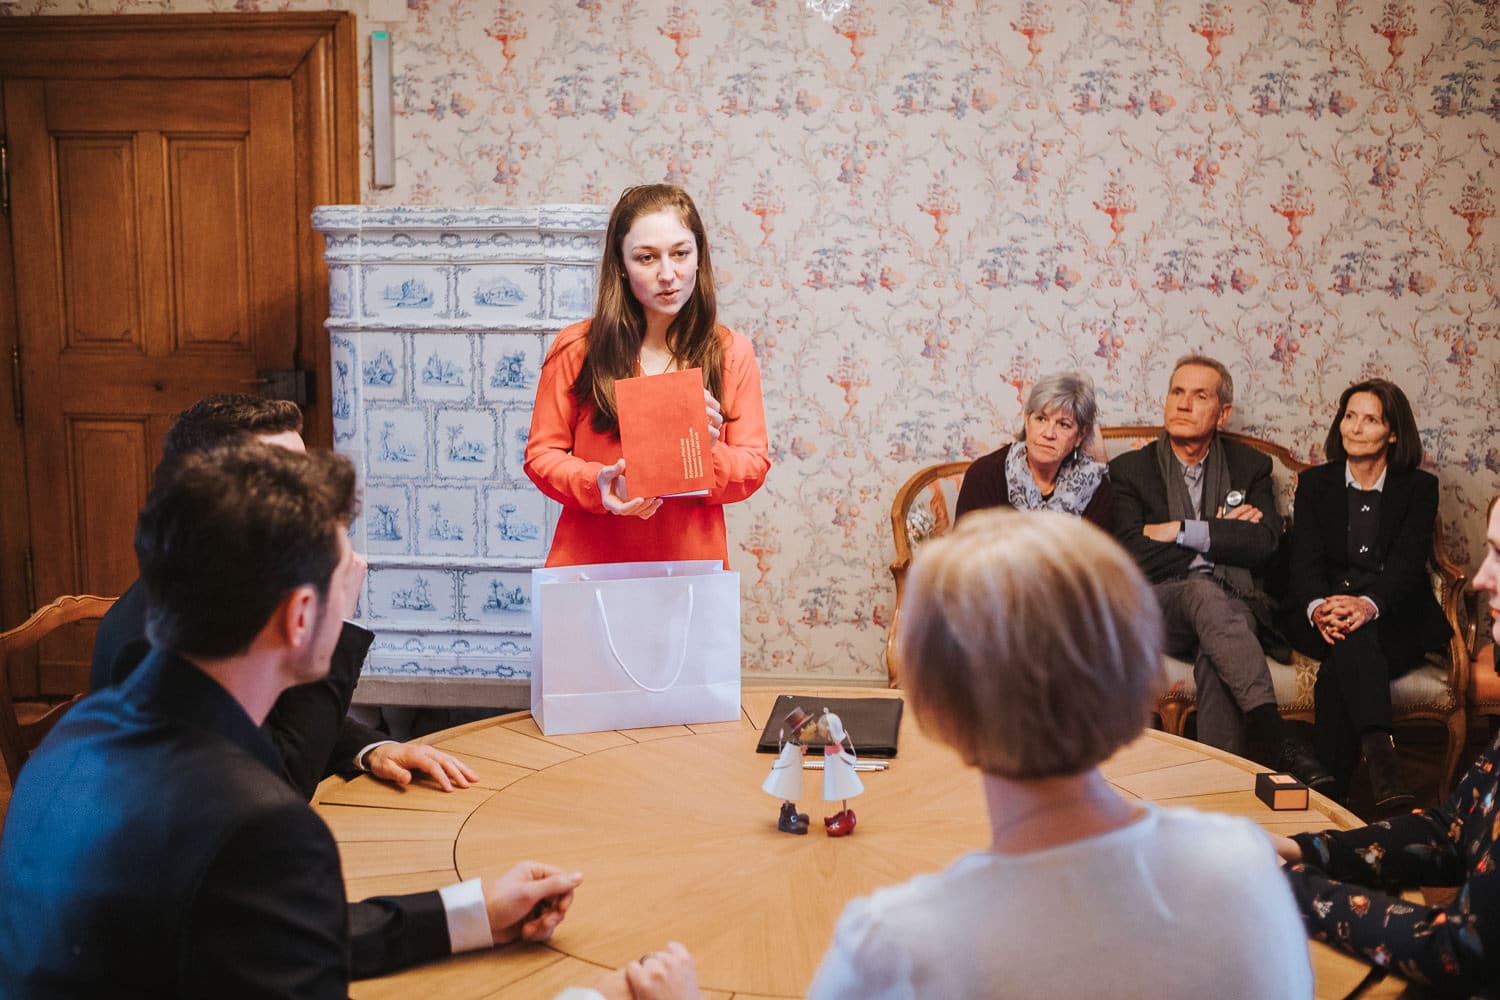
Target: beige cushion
(1180,686)
(1425,688)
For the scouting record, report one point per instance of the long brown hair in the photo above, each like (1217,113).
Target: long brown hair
(619,324)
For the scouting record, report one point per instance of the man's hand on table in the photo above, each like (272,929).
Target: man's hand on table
(394,762)
(529,901)
(661,975)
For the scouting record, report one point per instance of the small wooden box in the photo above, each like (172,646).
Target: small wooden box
(1280,791)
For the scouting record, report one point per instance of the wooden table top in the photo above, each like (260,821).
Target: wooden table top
(676,841)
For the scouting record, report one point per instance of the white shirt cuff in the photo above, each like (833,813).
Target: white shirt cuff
(1195,535)
(1313,606)
(359,758)
(468,920)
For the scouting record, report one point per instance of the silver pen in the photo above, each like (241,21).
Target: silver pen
(862,765)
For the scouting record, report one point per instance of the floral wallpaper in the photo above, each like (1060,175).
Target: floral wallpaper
(921,206)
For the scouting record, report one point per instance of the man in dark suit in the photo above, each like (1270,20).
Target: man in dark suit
(1199,515)
(310,723)
(152,847)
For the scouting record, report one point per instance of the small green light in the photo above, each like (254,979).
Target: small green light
(378,34)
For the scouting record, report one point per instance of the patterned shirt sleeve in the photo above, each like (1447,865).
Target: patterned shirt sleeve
(1347,882)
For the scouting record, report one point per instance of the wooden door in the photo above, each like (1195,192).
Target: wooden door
(161,252)
(155,244)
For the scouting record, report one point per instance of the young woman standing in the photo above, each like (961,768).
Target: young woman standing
(656,313)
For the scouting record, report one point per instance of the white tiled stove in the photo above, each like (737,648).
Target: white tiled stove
(439,321)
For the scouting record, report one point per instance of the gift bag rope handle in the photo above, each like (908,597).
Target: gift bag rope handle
(582,577)
(681,657)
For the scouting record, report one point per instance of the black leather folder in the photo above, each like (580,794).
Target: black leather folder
(872,723)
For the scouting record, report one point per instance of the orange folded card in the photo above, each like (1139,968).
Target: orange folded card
(664,434)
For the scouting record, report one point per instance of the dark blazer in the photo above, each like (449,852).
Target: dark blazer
(308,724)
(152,849)
(1141,499)
(984,486)
(1411,623)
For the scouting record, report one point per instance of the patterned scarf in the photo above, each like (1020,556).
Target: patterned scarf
(1077,479)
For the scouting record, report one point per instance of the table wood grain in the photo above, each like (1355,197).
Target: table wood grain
(677,842)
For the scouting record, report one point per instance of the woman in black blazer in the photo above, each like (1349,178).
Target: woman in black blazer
(1362,601)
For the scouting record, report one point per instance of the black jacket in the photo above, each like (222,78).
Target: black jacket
(309,724)
(152,849)
(1141,499)
(1411,622)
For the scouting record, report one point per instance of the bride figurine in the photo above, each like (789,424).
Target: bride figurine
(840,783)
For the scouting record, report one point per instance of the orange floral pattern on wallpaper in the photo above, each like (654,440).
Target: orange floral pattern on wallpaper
(920,207)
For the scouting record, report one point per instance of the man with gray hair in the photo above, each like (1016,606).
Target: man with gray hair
(1198,514)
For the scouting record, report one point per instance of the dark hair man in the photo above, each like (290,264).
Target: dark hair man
(152,847)
(1198,513)
(309,724)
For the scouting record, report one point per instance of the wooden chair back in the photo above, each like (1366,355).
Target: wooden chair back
(24,723)
(923,509)
(1285,467)
(1484,688)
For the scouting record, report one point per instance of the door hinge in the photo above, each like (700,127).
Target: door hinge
(30,571)
(4,179)
(15,385)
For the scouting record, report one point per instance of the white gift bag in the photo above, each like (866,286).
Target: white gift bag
(627,645)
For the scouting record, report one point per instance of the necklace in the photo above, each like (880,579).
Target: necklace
(640,363)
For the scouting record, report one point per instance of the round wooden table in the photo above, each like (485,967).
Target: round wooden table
(677,842)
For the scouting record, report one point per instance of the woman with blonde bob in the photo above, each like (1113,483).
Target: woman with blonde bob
(1032,647)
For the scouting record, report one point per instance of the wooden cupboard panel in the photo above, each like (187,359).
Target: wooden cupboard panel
(210,242)
(273,219)
(109,460)
(83,106)
(99,243)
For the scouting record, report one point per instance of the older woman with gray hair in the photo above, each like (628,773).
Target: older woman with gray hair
(1032,647)
(1047,467)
